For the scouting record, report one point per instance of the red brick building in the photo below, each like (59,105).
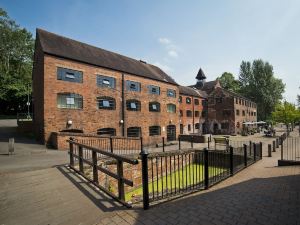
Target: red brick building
(192,110)
(85,89)
(227,111)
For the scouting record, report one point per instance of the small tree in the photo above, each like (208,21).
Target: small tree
(286,113)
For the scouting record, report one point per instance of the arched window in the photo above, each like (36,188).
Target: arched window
(134,132)
(154,106)
(105,102)
(188,100)
(69,101)
(133,105)
(106,132)
(154,130)
(171,108)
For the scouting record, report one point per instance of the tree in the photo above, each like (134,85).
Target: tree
(286,113)
(228,82)
(259,84)
(298,101)
(16,53)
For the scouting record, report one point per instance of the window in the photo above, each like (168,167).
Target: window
(226,112)
(196,113)
(133,86)
(189,127)
(171,93)
(204,102)
(188,100)
(154,107)
(240,101)
(236,100)
(69,75)
(197,126)
(189,113)
(254,113)
(238,124)
(203,114)
(219,100)
(243,112)
(237,112)
(107,132)
(180,99)
(105,81)
(180,113)
(171,108)
(133,105)
(134,132)
(69,101)
(154,130)
(196,101)
(154,90)
(224,125)
(106,103)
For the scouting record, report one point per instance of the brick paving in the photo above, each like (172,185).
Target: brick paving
(260,194)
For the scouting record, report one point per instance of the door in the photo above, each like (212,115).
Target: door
(171,133)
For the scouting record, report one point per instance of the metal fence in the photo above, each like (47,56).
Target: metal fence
(290,149)
(172,174)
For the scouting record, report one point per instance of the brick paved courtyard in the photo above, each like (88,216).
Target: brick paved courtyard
(261,194)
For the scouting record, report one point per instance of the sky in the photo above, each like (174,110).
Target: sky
(179,36)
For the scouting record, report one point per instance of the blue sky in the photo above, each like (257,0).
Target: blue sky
(179,36)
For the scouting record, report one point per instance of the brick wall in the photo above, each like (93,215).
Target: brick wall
(90,118)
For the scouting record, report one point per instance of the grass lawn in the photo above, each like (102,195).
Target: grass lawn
(189,175)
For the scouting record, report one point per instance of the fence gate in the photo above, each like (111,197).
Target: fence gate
(171,133)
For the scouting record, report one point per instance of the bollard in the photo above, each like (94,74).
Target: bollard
(163,142)
(208,143)
(269,150)
(245,155)
(179,143)
(144,159)
(11,145)
(277,143)
(274,146)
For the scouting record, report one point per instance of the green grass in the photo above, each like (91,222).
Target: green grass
(189,175)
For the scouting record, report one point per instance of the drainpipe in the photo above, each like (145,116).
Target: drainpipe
(123,107)
(193,106)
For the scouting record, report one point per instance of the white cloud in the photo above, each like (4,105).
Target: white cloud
(163,67)
(165,41)
(173,53)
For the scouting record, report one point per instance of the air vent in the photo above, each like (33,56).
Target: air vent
(143,61)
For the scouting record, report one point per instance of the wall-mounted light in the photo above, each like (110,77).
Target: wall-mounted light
(69,122)
(121,121)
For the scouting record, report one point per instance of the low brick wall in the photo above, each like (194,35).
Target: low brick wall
(196,138)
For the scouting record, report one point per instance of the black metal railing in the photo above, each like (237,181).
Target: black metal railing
(177,173)
(117,145)
(84,160)
(290,149)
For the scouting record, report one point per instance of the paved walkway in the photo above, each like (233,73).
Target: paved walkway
(260,194)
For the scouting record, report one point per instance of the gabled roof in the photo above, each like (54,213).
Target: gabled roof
(192,92)
(60,46)
(200,75)
(208,86)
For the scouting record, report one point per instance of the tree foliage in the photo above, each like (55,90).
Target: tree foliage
(16,53)
(228,82)
(286,113)
(259,84)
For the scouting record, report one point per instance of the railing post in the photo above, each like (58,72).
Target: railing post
(206,171)
(80,153)
(269,150)
(261,149)
(179,142)
(142,144)
(163,141)
(192,141)
(111,145)
(245,155)
(274,147)
(71,153)
(95,170)
(254,152)
(231,160)
(120,180)
(282,148)
(144,158)
(250,147)
(208,142)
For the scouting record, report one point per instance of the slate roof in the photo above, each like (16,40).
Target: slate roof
(60,46)
(208,86)
(192,92)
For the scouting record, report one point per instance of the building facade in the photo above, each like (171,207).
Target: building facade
(192,104)
(84,89)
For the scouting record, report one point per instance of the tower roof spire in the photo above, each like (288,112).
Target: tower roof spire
(200,75)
